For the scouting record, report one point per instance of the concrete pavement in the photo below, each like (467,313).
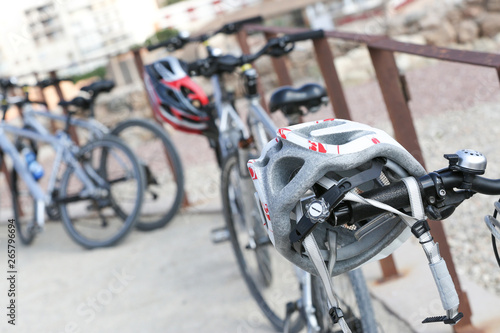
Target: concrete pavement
(176,280)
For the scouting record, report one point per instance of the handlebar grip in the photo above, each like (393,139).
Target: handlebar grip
(250,20)
(155,46)
(234,27)
(446,287)
(395,195)
(52,81)
(171,44)
(38,102)
(311,34)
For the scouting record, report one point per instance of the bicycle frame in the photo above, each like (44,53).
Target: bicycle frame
(261,127)
(96,129)
(62,145)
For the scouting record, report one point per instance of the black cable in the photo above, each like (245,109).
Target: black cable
(494,241)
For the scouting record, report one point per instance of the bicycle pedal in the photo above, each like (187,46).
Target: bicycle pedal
(220,235)
(36,229)
(444,319)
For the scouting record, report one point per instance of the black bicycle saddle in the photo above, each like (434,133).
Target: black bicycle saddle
(78,101)
(98,87)
(289,99)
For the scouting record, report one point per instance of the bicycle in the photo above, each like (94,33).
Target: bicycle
(358,195)
(234,144)
(157,155)
(94,178)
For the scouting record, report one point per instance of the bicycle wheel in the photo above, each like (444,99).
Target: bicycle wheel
(23,204)
(162,167)
(91,220)
(25,209)
(271,280)
(354,300)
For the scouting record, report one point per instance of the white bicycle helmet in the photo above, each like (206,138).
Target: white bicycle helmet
(306,160)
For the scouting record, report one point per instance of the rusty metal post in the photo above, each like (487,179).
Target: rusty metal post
(242,36)
(44,99)
(140,68)
(324,57)
(389,270)
(388,77)
(5,171)
(72,130)
(399,113)
(279,65)
(138,62)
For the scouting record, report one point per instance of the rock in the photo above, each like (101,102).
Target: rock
(442,35)
(493,5)
(414,39)
(490,24)
(484,45)
(429,21)
(473,12)
(454,16)
(467,31)
(413,18)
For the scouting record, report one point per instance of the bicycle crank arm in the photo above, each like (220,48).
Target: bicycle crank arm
(73,198)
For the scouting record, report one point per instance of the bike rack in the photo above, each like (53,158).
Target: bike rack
(396,96)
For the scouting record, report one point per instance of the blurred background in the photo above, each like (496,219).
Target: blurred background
(174,279)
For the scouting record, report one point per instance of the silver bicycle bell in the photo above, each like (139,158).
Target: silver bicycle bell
(471,160)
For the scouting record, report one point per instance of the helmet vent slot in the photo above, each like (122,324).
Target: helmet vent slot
(288,168)
(337,139)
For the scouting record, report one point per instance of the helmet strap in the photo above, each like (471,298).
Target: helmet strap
(421,230)
(314,254)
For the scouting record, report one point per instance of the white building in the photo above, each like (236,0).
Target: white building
(72,35)
(190,15)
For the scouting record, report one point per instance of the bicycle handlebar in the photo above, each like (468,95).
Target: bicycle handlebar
(275,47)
(300,36)
(234,27)
(179,41)
(51,82)
(6,83)
(439,205)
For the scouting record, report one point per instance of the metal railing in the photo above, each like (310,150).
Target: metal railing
(395,94)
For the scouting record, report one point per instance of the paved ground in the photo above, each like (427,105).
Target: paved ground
(175,280)
(170,280)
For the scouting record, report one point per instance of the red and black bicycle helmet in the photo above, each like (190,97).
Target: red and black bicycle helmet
(175,98)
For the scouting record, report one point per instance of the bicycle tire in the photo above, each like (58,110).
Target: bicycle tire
(261,281)
(354,300)
(111,147)
(164,190)
(25,225)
